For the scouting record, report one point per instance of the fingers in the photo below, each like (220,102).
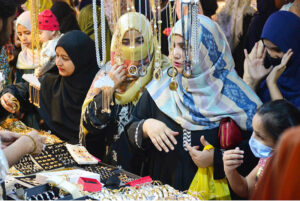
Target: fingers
(260,51)
(246,55)
(192,151)
(6,106)
(162,141)
(171,135)
(286,57)
(203,141)
(255,49)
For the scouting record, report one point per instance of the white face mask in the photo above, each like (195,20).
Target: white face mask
(259,149)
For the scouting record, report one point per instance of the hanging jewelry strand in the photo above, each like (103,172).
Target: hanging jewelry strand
(105,83)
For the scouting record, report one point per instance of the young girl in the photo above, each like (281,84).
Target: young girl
(49,35)
(28,59)
(269,122)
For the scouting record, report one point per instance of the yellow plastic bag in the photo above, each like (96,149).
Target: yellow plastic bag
(205,187)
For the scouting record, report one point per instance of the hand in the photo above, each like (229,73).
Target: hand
(203,158)
(8,138)
(278,70)
(7,103)
(39,140)
(161,136)
(256,68)
(117,74)
(232,159)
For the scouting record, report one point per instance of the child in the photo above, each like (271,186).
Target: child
(269,122)
(49,35)
(27,62)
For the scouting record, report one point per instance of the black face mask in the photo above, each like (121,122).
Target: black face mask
(273,61)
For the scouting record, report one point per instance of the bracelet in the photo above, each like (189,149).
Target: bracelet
(136,133)
(34,143)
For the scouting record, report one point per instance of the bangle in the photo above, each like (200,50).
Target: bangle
(34,143)
(136,134)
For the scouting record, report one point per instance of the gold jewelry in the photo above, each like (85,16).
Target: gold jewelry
(34,143)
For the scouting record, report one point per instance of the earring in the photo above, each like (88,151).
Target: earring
(142,71)
(187,71)
(132,70)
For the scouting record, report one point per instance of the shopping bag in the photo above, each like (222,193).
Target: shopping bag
(205,187)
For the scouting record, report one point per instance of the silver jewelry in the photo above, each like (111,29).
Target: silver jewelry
(41,196)
(187,138)
(136,134)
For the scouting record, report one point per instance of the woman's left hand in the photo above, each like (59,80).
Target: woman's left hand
(278,70)
(204,158)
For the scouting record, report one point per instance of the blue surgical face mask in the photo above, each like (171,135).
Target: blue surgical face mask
(259,149)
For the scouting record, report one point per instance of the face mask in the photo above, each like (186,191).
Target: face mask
(259,149)
(273,61)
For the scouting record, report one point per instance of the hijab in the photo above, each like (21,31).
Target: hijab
(26,59)
(213,92)
(86,24)
(66,17)
(280,180)
(265,8)
(288,82)
(128,21)
(231,19)
(62,97)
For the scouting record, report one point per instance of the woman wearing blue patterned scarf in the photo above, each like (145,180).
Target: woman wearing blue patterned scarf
(168,124)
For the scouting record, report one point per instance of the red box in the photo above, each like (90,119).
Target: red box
(90,185)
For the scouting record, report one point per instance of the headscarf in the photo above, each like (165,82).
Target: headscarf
(85,21)
(66,17)
(43,5)
(265,8)
(282,29)
(281,177)
(231,19)
(62,97)
(127,22)
(25,58)
(213,92)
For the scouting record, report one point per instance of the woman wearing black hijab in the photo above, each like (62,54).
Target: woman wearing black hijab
(264,9)
(61,95)
(66,17)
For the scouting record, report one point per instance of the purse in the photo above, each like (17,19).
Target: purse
(229,134)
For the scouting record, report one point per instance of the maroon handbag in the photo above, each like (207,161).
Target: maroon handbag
(229,134)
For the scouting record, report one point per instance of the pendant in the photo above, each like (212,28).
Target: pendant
(173,85)
(133,70)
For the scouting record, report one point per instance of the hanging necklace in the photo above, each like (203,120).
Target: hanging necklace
(105,83)
(172,71)
(156,10)
(34,83)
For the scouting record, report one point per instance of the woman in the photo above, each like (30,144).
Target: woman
(66,17)
(134,28)
(28,59)
(234,19)
(282,50)
(269,122)
(165,120)
(61,95)
(281,181)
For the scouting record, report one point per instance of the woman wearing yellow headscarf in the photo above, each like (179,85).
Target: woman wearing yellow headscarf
(131,67)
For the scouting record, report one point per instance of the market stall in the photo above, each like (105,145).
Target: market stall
(65,172)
